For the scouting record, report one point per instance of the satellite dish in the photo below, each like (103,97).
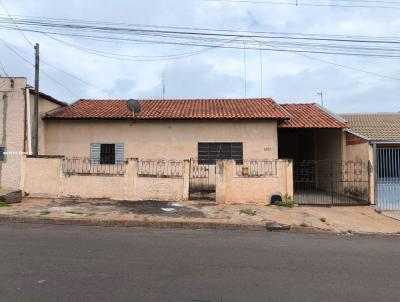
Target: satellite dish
(134,106)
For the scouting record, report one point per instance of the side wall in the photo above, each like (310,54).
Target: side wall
(12,130)
(160,139)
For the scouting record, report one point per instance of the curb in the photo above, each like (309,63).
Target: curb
(133,223)
(193,225)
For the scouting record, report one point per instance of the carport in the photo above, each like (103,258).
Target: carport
(314,139)
(379,136)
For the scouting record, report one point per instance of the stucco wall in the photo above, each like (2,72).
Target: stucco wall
(160,139)
(12,117)
(234,189)
(44,177)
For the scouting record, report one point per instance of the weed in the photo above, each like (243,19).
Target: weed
(74,212)
(91,214)
(249,212)
(288,202)
(304,225)
(323,219)
(44,212)
(3,204)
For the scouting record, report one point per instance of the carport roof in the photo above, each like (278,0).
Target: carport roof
(311,116)
(375,126)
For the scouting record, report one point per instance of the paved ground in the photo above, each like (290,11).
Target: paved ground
(361,219)
(392,214)
(72,263)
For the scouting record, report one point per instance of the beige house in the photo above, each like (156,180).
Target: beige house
(230,150)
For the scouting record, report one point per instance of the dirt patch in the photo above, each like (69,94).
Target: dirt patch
(147,207)
(161,208)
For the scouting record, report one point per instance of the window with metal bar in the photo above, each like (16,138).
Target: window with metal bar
(209,153)
(107,154)
(2,153)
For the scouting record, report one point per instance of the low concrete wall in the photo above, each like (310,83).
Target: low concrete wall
(44,177)
(244,189)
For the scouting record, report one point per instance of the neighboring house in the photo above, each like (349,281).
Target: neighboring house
(377,137)
(14,127)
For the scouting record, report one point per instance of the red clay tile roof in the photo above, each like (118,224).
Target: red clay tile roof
(262,108)
(309,116)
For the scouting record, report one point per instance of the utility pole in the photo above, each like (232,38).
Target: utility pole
(322,99)
(35,137)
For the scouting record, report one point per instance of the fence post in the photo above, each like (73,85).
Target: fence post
(223,178)
(186,179)
(289,178)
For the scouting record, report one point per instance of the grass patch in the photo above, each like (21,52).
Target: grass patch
(304,225)
(74,212)
(44,212)
(288,202)
(323,219)
(249,212)
(3,204)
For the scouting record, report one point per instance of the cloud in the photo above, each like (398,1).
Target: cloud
(217,73)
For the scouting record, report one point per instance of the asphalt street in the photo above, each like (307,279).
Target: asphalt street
(43,263)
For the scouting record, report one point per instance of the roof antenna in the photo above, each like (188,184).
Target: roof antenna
(163,85)
(245,68)
(322,99)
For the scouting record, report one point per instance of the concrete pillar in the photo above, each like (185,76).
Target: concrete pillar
(289,177)
(186,179)
(224,174)
(131,178)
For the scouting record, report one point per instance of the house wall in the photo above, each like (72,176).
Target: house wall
(160,139)
(12,135)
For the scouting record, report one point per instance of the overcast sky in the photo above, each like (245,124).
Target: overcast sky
(287,77)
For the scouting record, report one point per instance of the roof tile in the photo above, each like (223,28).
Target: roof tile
(309,116)
(262,108)
(375,126)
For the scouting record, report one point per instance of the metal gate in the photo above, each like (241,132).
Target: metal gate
(202,180)
(332,182)
(388,178)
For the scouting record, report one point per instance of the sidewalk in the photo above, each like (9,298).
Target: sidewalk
(199,215)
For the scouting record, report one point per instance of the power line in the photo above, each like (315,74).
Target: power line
(347,66)
(298,3)
(11,48)
(16,25)
(198,44)
(3,69)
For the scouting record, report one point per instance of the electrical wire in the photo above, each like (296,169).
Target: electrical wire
(298,3)
(11,48)
(16,25)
